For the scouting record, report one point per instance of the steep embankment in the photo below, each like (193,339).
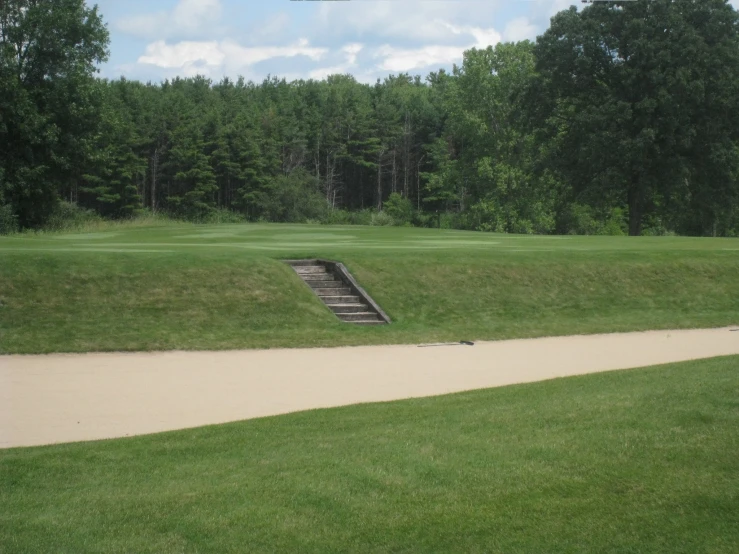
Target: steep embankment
(223,287)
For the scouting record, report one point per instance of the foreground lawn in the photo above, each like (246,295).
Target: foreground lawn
(223,287)
(634,461)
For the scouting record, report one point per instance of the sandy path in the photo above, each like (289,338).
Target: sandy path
(64,398)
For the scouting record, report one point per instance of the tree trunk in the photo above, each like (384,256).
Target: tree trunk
(405,175)
(154,169)
(395,173)
(379,179)
(635,200)
(418,183)
(406,161)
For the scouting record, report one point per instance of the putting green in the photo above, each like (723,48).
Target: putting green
(266,237)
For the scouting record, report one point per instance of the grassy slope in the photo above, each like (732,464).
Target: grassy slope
(633,461)
(218,287)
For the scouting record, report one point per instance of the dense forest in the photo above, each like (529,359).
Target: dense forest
(622,118)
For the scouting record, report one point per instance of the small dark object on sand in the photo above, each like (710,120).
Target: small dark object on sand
(462,342)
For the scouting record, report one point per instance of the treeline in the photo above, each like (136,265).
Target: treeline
(622,118)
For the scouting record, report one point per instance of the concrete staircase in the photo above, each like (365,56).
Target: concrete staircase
(337,289)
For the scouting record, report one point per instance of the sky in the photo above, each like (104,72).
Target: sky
(153,40)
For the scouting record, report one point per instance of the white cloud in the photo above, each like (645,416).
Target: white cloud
(483,37)
(378,37)
(189,17)
(519,29)
(350,52)
(190,14)
(273,27)
(183,54)
(219,57)
(551,7)
(404,19)
(410,59)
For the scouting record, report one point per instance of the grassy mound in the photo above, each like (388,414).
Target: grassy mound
(633,461)
(218,287)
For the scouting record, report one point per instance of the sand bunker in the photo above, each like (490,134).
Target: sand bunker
(65,398)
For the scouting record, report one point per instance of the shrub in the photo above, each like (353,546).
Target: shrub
(522,227)
(8,220)
(484,216)
(615,225)
(452,220)
(653,226)
(70,217)
(382,219)
(337,216)
(361,217)
(399,208)
(293,198)
(221,215)
(580,220)
(422,219)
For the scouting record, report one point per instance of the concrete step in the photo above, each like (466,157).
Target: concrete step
(359,316)
(308,269)
(368,322)
(341,291)
(326,284)
(331,300)
(348,308)
(307,277)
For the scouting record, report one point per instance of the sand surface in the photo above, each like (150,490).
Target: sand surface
(65,398)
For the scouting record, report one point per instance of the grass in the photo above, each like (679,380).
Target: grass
(184,286)
(633,461)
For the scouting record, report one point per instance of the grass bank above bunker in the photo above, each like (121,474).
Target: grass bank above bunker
(225,287)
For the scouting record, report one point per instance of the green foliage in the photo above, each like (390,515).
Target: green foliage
(361,217)
(400,209)
(70,217)
(8,220)
(292,198)
(337,217)
(485,216)
(49,101)
(346,217)
(607,111)
(581,219)
(112,184)
(218,216)
(616,225)
(382,219)
(639,116)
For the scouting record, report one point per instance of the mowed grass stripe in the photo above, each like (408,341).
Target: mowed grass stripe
(632,461)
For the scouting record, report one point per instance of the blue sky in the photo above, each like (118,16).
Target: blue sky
(159,39)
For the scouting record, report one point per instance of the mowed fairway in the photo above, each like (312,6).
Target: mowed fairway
(630,461)
(221,287)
